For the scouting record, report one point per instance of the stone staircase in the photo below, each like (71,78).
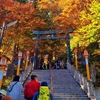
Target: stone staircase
(65,86)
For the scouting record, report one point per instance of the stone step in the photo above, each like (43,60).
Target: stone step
(68,95)
(70,98)
(68,91)
(65,86)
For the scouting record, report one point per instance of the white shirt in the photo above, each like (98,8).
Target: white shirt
(17,90)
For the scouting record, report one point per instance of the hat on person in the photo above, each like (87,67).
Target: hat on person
(44,83)
(3,92)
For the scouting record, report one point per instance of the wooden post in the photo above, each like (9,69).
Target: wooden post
(76,61)
(19,62)
(27,58)
(87,65)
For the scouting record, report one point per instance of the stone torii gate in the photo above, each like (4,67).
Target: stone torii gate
(52,33)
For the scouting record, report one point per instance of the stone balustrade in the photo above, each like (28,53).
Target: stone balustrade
(86,85)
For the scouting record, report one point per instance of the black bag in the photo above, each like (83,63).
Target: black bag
(8,91)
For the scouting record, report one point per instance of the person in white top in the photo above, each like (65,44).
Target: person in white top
(15,89)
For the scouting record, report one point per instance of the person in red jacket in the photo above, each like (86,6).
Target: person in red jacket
(31,88)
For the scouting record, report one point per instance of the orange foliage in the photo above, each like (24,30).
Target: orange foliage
(69,15)
(25,14)
(27,19)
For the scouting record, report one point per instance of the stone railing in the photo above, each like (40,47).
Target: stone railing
(26,73)
(86,85)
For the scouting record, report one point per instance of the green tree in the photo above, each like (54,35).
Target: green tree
(90,23)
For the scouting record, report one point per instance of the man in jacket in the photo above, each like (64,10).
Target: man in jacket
(31,88)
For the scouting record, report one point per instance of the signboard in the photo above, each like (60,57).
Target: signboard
(75,51)
(12,23)
(3,61)
(27,52)
(86,53)
(19,54)
(48,38)
(47,32)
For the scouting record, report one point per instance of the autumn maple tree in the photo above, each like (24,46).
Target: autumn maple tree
(27,19)
(50,15)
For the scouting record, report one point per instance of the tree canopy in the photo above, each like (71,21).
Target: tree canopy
(82,16)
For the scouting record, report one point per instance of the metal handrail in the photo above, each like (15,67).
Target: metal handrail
(51,86)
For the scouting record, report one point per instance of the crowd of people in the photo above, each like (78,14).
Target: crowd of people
(54,65)
(59,65)
(33,90)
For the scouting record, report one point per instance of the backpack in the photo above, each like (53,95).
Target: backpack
(44,93)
